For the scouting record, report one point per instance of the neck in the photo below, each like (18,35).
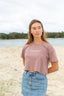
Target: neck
(37,40)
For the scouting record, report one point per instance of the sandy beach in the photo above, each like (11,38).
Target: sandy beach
(11,70)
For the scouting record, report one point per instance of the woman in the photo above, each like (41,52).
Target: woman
(36,54)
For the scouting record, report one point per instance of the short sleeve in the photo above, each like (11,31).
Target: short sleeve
(23,51)
(52,54)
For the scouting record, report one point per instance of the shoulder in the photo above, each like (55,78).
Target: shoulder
(25,46)
(49,46)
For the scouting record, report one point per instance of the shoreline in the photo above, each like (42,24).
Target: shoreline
(22,46)
(27,39)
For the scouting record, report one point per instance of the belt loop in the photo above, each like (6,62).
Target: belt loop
(35,73)
(26,71)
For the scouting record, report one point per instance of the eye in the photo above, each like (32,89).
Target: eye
(39,27)
(34,28)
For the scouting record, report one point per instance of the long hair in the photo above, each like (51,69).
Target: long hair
(30,36)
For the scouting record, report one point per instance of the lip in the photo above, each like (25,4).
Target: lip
(37,34)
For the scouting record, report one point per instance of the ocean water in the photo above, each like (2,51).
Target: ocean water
(21,42)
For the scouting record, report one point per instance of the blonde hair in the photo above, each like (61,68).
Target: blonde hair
(30,36)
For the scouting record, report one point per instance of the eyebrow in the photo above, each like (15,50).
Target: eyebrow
(37,26)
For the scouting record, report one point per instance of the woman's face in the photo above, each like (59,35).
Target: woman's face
(36,29)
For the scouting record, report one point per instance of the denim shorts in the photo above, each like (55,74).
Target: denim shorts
(33,84)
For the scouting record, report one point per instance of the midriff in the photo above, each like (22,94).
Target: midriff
(32,71)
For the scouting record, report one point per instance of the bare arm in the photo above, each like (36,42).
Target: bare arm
(54,67)
(23,61)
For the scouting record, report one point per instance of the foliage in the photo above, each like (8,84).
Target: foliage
(15,35)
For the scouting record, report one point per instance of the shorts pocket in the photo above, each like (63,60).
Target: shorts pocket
(40,76)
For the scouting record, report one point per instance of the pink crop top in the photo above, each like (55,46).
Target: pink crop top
(38,56)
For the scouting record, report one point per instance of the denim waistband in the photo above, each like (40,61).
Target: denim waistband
(30,72)
(34,73)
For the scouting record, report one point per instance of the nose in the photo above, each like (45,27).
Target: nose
(37,29)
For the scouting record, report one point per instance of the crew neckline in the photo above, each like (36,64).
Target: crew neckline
(39,43)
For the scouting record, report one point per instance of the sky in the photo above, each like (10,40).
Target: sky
(15,15)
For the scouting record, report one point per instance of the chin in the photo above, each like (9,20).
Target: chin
(38,36)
